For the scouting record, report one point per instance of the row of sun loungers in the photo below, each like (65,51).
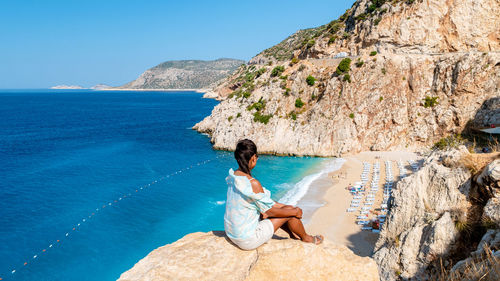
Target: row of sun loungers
(402,170)
(365,189)
(364,193)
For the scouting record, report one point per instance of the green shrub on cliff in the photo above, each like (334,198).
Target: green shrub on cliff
(293,115)
(376,4)
(372,8)
(345,15)
(287,92)
(249,77)
(310,80)
(334,27)
(250,86)
(310,43)
(430,101)
(257,117)
(332,39)
(344,66)
(347,78)
(360,17)
(451,141)
(260,72)
(237,94)
(299,103)
(373,53)
(261,104)
(277,71)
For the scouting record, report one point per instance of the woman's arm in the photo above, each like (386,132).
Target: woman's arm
(278,210)
(279,205)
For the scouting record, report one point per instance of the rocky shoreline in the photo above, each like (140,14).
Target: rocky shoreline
(443,217)
(386,96)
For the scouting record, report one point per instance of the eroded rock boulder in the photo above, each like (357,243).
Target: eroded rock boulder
(211,256)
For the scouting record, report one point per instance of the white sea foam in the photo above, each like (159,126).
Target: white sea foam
(220,202)
(300,189)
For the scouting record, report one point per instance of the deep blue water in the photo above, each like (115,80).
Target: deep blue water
(64,154)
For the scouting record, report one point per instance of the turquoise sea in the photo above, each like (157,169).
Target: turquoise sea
(74,160)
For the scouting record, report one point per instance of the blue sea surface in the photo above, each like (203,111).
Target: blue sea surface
(66,154)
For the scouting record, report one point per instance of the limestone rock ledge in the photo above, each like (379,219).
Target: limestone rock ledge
(211,256)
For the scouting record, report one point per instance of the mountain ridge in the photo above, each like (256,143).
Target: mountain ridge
(184,74)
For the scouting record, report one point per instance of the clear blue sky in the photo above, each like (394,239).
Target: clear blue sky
(86,42)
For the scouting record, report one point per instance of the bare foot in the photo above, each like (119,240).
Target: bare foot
(316,239)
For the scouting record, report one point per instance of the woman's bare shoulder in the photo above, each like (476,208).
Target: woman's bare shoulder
(256,186)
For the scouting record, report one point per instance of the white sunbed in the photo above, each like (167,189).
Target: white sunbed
(366,208)
(364,212)
(349,210)
(363,222)
(367,228)
(376,230)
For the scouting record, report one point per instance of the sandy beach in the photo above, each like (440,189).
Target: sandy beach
(332,220)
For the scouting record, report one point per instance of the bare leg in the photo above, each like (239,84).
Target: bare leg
(286,228)
(295,225)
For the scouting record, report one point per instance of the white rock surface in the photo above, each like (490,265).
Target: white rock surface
(210,256)
(428,210)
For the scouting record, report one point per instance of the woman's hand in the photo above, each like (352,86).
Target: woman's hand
(299,213)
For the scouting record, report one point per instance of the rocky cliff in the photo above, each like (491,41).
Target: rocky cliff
(443,218)
(184,74)
(211,256)
(415,71)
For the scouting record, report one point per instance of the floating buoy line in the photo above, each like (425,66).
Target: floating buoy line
(98,210)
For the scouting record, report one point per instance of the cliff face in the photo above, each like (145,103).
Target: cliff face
(184,74)
(211,256)
(418,72)
(441,217)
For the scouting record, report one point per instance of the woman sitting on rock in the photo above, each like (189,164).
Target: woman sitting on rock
(247,201)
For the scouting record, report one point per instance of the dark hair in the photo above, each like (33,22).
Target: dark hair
(245,149)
